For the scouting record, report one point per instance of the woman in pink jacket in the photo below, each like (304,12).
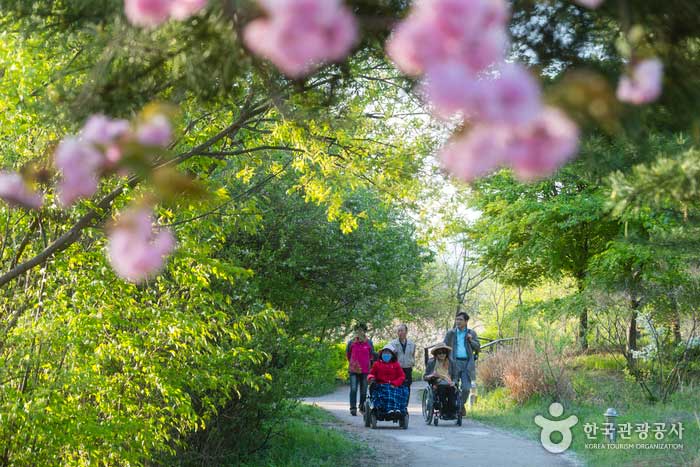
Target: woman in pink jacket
(359,353)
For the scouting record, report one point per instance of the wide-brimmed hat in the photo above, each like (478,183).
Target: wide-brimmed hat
(441,347)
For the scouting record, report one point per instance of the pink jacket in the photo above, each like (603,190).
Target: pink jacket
(359,353)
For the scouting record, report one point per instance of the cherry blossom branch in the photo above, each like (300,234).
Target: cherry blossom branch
(103,206)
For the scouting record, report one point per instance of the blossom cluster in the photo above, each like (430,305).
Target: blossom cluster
(135,250)
(299,35)
(150,13)
(458,48)
(99,148)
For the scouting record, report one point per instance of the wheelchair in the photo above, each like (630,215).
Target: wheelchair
(373,413)
(433,411)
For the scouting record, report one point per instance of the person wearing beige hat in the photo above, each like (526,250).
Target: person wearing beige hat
(441,373)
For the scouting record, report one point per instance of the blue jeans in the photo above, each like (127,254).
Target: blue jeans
(355,380)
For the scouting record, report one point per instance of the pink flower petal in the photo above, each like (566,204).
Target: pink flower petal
(100,129)
(300,35)
(15,191)
(155,132)
(135,250)
(80,164)
(476,153)
(147,13)
(183,9)
(643,85)
(540,148)
(451,88)
(514,97)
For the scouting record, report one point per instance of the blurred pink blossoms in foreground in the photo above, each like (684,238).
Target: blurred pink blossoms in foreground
(299,35)
(149,13)
(458,47)
(135,250)
(14,190)
(643,84)
(99,148)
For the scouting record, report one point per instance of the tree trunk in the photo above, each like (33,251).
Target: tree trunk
(676,327)
(632,326)
(632,332)
(583,329)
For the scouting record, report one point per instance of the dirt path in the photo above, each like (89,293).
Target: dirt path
(447,445)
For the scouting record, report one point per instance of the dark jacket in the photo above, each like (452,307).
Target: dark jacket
(450,339)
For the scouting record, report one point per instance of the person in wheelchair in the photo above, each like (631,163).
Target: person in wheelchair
(441,374)
(386,377)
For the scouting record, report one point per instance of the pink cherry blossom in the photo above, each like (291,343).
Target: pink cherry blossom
(472,31)
(150,13)
(451,89)
(538,149)
(147,13)
(183,9)
(15,191)
(592,4)
(643,85)
(135,250)
(481,50)
(100,129)
(80,163)
(106,132)
(453,17)
(533,150)
(514,97)
(412,46)
(156,131)
(475,153)
(299,35)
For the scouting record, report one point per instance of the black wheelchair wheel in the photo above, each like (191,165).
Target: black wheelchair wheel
(435,421)
(403,423)
(367,415)
(373,420)
(427,405)
(459,418)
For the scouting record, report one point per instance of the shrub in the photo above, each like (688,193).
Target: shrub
(490,370)
(525,372)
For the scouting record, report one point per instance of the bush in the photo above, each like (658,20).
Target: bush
(490,370)
(524,373)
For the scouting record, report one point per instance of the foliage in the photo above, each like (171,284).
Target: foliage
(298,435)
(596,390)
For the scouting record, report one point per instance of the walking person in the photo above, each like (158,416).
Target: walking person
(359,352)
(464,342)
(406,353)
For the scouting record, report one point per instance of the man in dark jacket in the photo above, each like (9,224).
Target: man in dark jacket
(464,342)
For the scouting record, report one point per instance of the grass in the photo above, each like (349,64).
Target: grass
(599,384)
(306,440)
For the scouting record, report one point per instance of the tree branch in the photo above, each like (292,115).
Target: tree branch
(96,214)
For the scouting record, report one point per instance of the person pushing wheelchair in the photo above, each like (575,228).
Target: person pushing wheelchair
(464,344)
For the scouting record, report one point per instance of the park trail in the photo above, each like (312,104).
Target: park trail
(446,445)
